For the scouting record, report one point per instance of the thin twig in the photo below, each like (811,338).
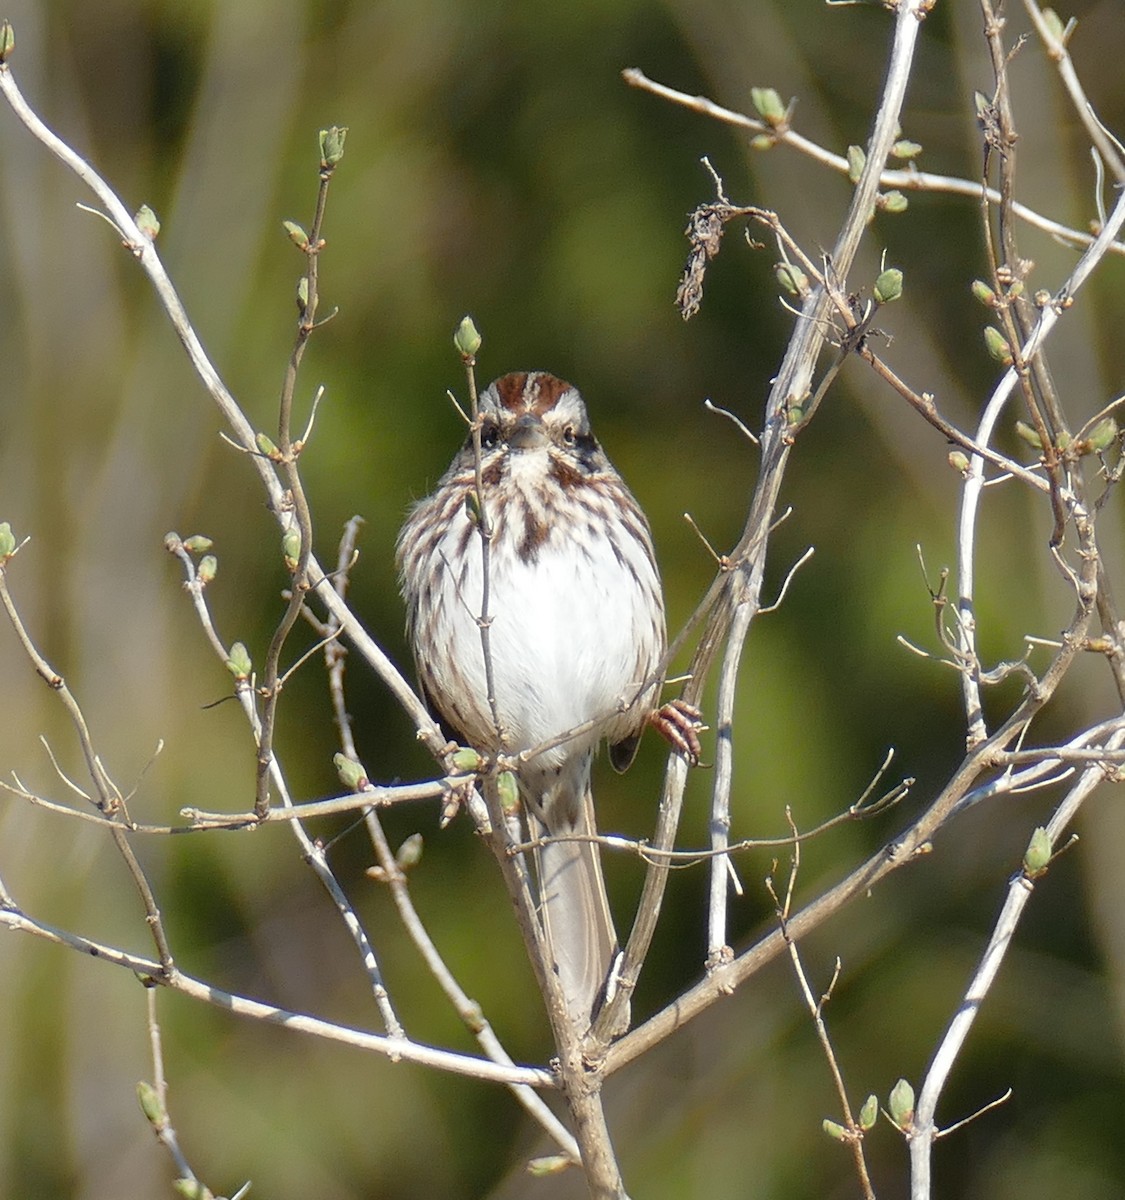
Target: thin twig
(397,1049)
(900,852)
(741,584)
(397,880)
(108,800)
(161,1122)
(782,910)
(1108,147)
(144,251)
(297,502)
(313,851)
(910,179)
(924,1129)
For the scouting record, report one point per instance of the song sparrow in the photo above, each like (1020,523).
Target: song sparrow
(575,619)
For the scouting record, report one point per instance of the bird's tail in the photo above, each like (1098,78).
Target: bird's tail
(580,938)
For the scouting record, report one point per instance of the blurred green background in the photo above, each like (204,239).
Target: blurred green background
(498,165)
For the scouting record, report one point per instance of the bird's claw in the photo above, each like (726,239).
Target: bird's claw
(680,725)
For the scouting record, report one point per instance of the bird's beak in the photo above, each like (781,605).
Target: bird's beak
(529,433)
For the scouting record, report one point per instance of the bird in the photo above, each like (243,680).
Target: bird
(543,638)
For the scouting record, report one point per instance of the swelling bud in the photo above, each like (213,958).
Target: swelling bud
(888,287)
(238,661)
(1037,856)
(467,339)
(901,1104)
(508,791)
(352,774)
(332,145)
(768,105)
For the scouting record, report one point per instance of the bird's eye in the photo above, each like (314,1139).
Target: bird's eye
(569,435)
(489,434)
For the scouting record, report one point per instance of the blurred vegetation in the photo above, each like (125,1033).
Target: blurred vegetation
(497,164)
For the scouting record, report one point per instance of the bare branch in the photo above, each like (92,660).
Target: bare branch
(397,1049)
(910,179)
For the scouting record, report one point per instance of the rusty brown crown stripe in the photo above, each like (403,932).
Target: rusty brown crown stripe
(535,392)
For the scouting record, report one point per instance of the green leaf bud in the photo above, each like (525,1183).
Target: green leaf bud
(508,790)
(7,41)
(1037,856)
(869,1113)
(192,1189)
(466,339)
(291,547)
(834,1129)
(266,445)
(302,293)
(984,293)
(1054,25)
(959,460)
(892,202)
(1029,435)
(296,234)
(997,345)
(332,145)
(149,1099)
(238,662)
(549,1164)
(1102,435)
(7,541)
(207,570)
(768,105)
(906,149)
(352,774)
(888,287)
(197,544)
(792,279)
(762,141)
(147,222)
(466,760)
(409,854)
(901,1104)
(857,160)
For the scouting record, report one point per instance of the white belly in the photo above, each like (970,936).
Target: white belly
(572,637)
